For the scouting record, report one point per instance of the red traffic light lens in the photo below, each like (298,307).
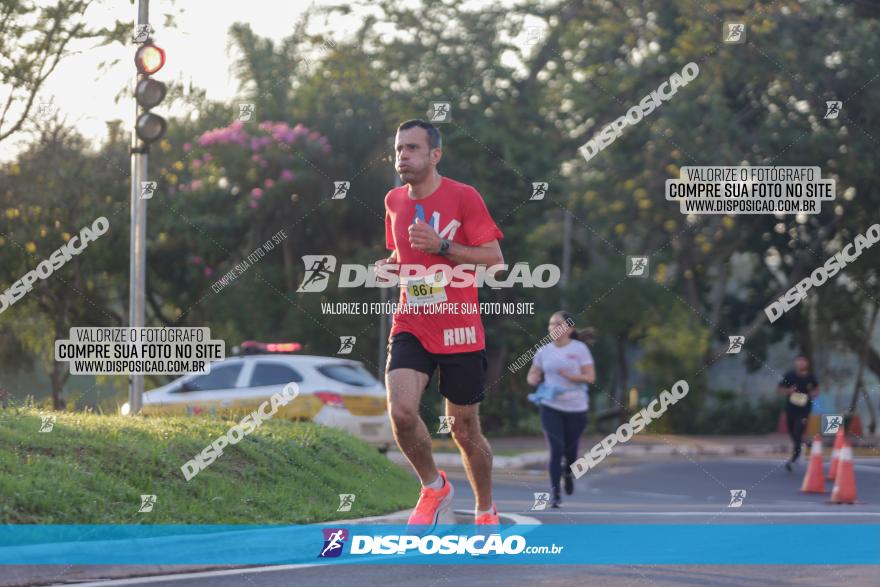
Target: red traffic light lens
(149,58)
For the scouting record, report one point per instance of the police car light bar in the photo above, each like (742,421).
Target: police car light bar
(254,347)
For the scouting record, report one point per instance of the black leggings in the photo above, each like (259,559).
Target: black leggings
(562,430)
(797,424)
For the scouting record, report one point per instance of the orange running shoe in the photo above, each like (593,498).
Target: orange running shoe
(432,504)
(489,518)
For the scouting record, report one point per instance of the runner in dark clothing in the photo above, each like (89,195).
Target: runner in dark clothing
(800,387)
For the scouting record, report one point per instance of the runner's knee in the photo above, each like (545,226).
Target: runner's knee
(465,430)
(403,416)
(404,392)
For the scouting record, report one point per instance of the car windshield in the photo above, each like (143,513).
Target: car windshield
(348,373)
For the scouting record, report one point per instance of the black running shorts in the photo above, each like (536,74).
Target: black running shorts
(462,375)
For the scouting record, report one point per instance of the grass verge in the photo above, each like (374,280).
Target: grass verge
(93,469)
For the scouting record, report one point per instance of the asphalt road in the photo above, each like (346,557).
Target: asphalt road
(688,490)
(677,490)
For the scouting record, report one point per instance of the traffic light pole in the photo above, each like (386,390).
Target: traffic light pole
(137,251)
(385,321)
(137,267)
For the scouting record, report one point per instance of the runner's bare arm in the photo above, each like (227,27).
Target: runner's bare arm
(391,258)
(587,374)
(487,254)
(534,375)
(424,238)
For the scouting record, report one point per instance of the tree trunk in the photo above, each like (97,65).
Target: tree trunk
(60,369)
(287,250)
(806,341)
(863,359)
(58,377)
(623,379)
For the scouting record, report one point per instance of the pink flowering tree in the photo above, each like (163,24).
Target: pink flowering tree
(242,183)
(255,165)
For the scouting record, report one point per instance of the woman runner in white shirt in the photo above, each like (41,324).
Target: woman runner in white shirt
(562,370)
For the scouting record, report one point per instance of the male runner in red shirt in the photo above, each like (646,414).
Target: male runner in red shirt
(434,220)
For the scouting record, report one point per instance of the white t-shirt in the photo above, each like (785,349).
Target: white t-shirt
(571,357)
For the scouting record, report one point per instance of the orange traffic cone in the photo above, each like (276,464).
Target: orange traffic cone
(855,426)
(845,485)
(813,480)
(839,439)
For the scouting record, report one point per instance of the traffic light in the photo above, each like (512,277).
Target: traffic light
(149,92)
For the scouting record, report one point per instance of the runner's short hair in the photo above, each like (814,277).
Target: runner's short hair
(434,140)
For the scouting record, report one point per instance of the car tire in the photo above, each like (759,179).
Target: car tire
(383,450)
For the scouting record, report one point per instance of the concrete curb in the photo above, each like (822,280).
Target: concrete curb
(463,517)
(539,458)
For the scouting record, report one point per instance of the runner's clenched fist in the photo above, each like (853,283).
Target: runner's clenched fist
(424,238)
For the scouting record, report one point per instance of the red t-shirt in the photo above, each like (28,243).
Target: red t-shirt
(458,213)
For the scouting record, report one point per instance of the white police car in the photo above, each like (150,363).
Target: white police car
(332,391)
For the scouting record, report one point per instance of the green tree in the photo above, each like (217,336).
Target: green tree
(54,189)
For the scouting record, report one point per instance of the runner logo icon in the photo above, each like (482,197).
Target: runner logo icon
(541,501)
(440,111)
(45,110)
(539,190)
(148,188)
(736,344)
(147,503)
(446,423)
(334,540)
(737,497)
(533,35)
(832,109)
(48,422)
(318,270)
(637,266)
(340,189)
(346,500)
(141,33)
(736,32)
(346,345)
(831,423)
(245,111)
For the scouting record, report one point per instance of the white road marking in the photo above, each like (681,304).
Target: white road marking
(516,518)
(736,514)
(193,575)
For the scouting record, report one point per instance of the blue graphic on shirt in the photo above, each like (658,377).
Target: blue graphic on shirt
(420,213)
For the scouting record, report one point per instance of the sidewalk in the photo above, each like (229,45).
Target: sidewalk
(531,451)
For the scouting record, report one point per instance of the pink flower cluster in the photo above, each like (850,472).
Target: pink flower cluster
(282,133)
(234,133)
(270,133)
(207,271)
